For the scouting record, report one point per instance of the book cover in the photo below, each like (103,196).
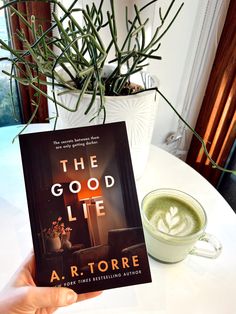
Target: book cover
(83,207)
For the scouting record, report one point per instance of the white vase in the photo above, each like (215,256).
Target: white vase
(53,244)
(138,111)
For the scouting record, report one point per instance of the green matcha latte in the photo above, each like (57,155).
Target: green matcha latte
(173,216)
(173,222)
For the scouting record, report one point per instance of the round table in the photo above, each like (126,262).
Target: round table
(196,285)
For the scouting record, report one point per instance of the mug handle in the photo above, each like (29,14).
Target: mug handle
(215,244)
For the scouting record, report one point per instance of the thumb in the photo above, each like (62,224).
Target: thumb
(52,297)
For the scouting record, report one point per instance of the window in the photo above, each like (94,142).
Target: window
(9,114)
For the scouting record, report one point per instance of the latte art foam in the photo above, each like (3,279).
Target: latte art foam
(174,221)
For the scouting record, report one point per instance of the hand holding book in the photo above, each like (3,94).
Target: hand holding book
(22,296)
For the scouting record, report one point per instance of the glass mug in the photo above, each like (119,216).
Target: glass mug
(174,222)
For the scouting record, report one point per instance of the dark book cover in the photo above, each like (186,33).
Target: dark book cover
(83,207)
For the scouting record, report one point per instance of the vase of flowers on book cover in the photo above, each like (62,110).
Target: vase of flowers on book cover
(57,236)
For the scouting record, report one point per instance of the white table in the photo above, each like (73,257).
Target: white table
(195,286)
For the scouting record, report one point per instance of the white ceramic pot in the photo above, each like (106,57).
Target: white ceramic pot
(138,111)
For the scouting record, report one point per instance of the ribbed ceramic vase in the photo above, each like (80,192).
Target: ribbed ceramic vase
(138,111)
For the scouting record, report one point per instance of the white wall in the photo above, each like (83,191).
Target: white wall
(171,70)
(188,52)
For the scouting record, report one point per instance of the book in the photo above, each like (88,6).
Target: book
(83,208)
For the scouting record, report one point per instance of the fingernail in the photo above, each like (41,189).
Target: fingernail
(71,297)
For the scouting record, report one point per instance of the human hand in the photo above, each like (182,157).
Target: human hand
(21,296)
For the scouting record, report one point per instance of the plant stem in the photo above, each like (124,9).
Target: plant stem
(199,138)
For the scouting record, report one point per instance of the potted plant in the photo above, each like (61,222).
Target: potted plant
(85,84)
